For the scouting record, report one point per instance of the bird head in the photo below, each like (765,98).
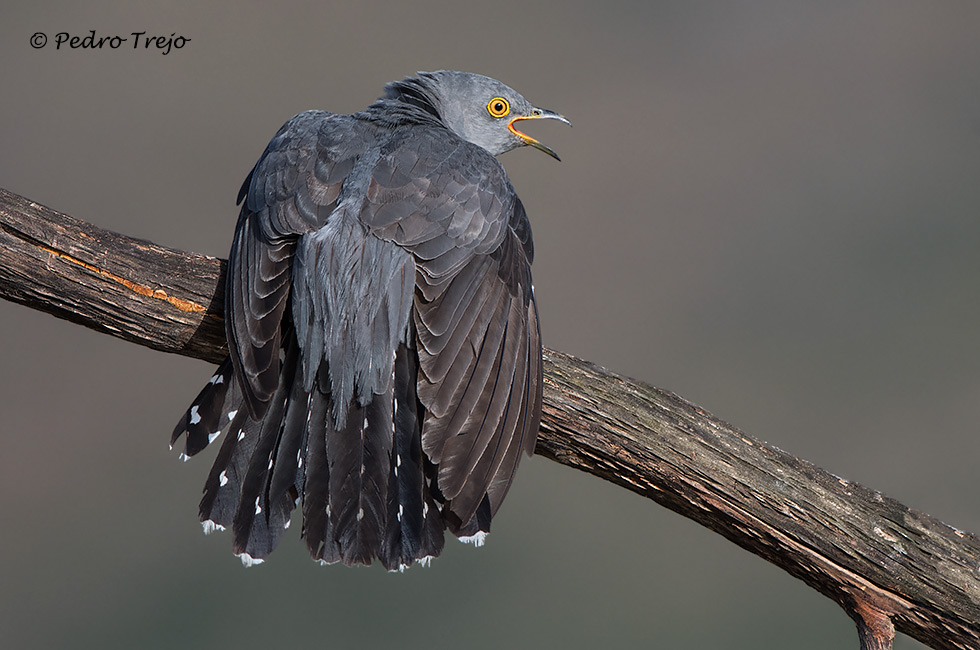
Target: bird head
(483,110)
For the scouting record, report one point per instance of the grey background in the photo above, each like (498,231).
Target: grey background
(767,207)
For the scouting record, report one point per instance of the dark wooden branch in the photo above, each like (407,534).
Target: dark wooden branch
(888,566)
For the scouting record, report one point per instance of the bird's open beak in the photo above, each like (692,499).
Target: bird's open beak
(537,114)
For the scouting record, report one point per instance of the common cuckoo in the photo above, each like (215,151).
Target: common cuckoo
(385,355)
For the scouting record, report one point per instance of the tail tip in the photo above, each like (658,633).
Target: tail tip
(248,560)
(210,526)
(476,539)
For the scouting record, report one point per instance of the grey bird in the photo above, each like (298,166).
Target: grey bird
(385,355)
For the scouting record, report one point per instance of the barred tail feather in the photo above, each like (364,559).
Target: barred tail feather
(223,485)
(360,454)
(209,413)
(405,509)
(259,521)
(317,529)
(288,470)
(434,525)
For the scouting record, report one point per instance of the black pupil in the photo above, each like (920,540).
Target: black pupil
(498,107)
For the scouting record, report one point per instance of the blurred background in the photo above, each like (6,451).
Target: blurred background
(770,208)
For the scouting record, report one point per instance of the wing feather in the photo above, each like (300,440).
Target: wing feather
(459,217)
(292,191)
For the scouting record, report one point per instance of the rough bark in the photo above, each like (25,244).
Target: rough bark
(890,567)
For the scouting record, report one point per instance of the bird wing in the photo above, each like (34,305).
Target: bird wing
(291,191)
(450,204)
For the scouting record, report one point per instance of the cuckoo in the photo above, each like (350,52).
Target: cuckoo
(384,370)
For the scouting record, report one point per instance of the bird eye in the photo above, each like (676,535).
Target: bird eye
(498,107)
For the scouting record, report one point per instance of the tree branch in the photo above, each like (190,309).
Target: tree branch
(888,566)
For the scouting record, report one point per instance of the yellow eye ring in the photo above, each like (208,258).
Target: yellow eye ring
(498,107)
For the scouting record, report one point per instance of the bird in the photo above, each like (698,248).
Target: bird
(385,363)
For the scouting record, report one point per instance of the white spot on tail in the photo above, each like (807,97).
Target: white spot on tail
(360,514)
(248,560)
(223,478)
(209,527)
(475,539)
(212,436)
(184,457)
(232,414)
(241,434)
(364,425)
(425,561)
(258,508)
(400,511)
(217,379)
(195,416)
(287,524)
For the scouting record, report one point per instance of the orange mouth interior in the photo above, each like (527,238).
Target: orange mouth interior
(519,134)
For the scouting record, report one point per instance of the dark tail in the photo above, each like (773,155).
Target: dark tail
(366,487)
